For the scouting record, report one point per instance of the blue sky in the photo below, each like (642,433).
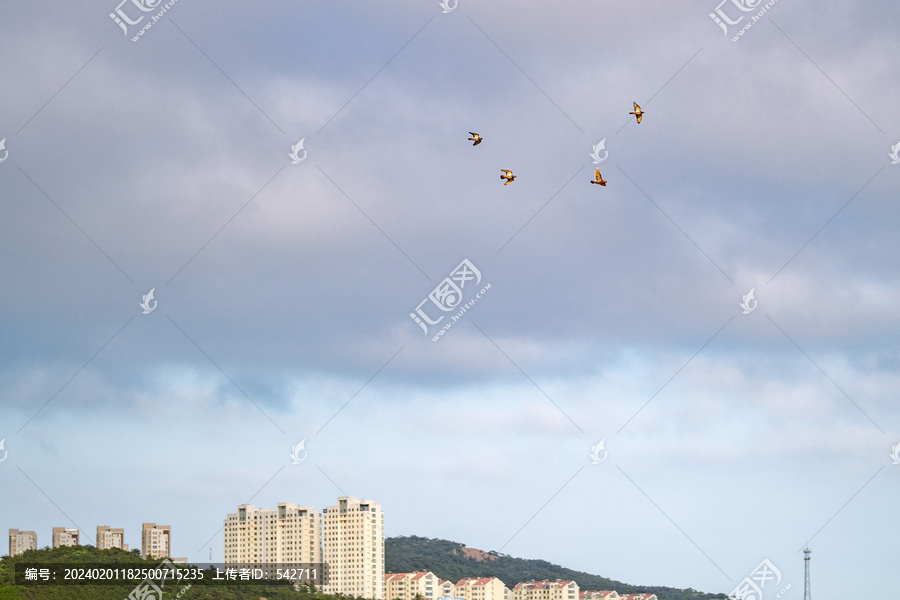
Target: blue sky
(284,290)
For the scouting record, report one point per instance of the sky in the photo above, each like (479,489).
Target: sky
(734,428)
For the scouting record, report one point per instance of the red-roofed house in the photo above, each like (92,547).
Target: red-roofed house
(447,589)
(480,588)
(599,595)
(406,586)
(560,589)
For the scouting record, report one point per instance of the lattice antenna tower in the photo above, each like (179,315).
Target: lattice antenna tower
(806,592)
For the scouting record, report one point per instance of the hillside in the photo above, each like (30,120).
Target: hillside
(453,561)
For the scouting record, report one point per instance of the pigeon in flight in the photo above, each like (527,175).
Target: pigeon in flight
(637,112)
(598,179)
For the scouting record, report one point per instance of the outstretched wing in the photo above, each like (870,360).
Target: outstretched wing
(597,175)
(639,117)
(507,171)
(636,107)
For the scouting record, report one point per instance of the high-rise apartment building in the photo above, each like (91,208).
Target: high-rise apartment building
(288,534)
(481,588)
(353,548)
(156,541)
(64,537)
(107,537)
(408,586)
(20,541)
(546,590)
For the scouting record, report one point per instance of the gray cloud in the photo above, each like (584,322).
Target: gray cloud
(292,284)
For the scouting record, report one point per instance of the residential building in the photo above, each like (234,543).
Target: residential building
(410,586)
(447,589)
(156,541)
(599,595)
(480,588)
(64,537)
(353,548)
(287,534)
(611,595)
(546,590)
(20,541)
(107,537)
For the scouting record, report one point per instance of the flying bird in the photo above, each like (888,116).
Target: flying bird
(508,176)
(598,179)
(637,112)
(475,138)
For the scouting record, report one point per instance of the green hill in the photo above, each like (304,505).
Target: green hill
(453,561)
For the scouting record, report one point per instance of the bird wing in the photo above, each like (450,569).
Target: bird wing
(472,133)
(507,171)
(639,117)
(597,174)
(636,107)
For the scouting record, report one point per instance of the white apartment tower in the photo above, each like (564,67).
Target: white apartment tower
(20,541)
(107,537)
(288,534)
(353,548)
(64,537)
(156,541)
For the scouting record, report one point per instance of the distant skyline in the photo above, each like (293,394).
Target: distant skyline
(277,359)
